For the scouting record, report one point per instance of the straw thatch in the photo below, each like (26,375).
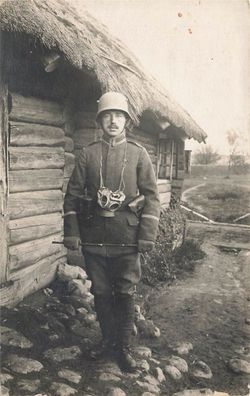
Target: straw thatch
(88,45)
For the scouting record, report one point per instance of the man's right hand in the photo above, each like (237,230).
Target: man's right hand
(72,243)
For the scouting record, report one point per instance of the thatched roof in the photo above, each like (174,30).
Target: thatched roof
(87,44)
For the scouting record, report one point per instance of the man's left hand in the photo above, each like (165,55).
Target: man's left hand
(145,246)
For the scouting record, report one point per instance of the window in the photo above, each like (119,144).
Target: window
(167,159)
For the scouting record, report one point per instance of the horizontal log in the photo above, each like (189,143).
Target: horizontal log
(219,233)
(83,137)
(143,137)
(25,204)
(42,265)
(85,119)
(29,109)
(39,276)
(69,164)
(34,180)
(69,144)
(29,253)
(34,227)
(164,187)
(36,157)
(24,134)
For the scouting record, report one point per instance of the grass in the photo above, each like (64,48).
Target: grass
(221,198)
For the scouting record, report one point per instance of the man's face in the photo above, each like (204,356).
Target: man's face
(113,122)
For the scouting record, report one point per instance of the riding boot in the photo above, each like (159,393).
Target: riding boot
(104,307)
(124,308)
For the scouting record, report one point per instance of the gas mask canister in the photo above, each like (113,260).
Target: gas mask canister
(110,201)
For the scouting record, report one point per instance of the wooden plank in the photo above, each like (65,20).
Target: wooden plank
(25,204)
(69,144)
(164,186)
(219,233)
(29,253)
(29,109)
(44,263)
(69,164)
(34,180)
(40,276)
(3,168)
(85,119)
(24,134)
(36,157)
(34,227)
(83,137)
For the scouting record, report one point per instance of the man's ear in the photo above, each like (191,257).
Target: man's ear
(129,124)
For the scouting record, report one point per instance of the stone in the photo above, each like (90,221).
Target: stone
(239,366)
(151,380)
(116,392)
(54,337)
(82,311)
(247,321)
(173,372)
(143,351)
(90,319)
(66,272)
(4,391)
(134,330)
(148,329)
(61,389)
(27,385)
(79,329)
(195,392)
(148,387)
(110,367)
(70,375)
(22,365)
(5,377)
(137,309)
(11,337)
(56,325)
(155,361)
(143,365)
(78,287)
(148,394)
(158,373)
(61,354)
(109,377)
(201,370)
(78,302)
(182,348)
(179,363)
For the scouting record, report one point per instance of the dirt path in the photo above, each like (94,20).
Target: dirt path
(209,309)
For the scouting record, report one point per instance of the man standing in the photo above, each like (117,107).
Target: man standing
(105,185)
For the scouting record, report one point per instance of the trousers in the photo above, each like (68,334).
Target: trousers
(114,281)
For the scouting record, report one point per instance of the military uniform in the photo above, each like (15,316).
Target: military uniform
(114,271)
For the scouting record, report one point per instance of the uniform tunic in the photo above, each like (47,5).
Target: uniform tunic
(139,178)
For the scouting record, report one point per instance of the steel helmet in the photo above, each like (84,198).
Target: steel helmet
(112,101)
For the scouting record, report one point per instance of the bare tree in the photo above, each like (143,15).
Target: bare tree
(206,155)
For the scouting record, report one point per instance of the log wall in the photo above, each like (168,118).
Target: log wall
(36,177)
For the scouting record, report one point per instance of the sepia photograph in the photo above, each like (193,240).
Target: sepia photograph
(124,197)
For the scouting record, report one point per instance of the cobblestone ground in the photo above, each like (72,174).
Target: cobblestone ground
(190,339)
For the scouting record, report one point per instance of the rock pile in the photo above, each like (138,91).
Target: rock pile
(46,350)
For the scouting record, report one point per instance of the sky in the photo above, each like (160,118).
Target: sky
(200,52)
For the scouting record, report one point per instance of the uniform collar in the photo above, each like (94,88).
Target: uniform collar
(114,141)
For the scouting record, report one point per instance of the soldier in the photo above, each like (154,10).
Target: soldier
(108,178)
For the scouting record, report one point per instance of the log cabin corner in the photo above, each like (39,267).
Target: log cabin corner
(55,64)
